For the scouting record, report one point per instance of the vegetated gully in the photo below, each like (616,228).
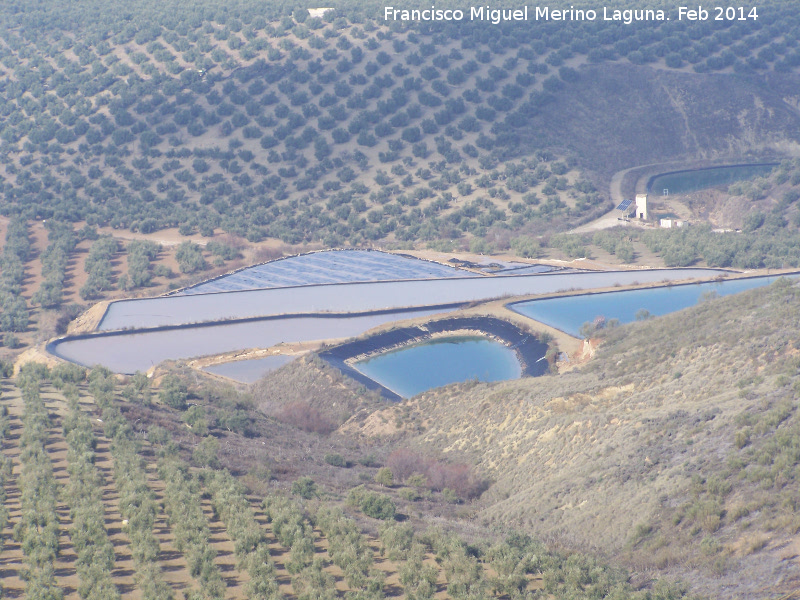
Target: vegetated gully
(183,327)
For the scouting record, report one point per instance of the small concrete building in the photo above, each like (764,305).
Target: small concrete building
(670,223)
(641,206)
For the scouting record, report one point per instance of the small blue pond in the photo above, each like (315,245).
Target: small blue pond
(414,369)
(569,313)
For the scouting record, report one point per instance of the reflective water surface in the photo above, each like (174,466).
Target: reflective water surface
(250,370)
(569,313)
(363,297)
(434,363)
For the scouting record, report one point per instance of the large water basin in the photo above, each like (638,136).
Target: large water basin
(414,369)
(128,352)
(569,313)
(684,182)
(365,297)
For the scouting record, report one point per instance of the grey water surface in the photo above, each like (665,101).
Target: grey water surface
(128,352)
(364,297)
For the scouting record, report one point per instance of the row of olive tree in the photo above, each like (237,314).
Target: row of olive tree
(250,541)
(400,544)
(55,259)
(141,254)
(17,250)
(37,530)
(88,533)
(292,528)
(5,475)
(99,268)
(182,501)
(137,502)
(349,551)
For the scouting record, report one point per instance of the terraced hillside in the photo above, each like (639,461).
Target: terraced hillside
(96,509)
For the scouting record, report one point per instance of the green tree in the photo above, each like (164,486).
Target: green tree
(305,488)
(190,258)
(173,392)
(384,477)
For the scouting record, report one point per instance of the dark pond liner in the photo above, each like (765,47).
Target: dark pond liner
(530,350)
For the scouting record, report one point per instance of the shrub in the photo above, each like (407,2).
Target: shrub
(190,258)
(305,488)
(305,417)
(173,392)
(335,460)
(384,477)
(378,506)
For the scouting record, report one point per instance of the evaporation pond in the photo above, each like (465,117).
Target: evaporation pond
(569,313)
(414,369)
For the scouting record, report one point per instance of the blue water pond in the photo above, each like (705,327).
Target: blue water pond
(414,369)
(569,313)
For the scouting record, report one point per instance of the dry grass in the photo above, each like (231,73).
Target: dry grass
(636,453)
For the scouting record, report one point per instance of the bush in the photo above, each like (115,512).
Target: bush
(418,470)
(335,460)
(378,506)
(305,488)
(372,504)
(173,392)
(384,477)
(305,417)
(190,258)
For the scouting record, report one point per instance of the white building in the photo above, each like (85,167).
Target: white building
(670,223)
(318,12)
(641,207)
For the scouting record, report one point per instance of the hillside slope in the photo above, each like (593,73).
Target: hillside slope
(349,129)
(618,115)
(675,449)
